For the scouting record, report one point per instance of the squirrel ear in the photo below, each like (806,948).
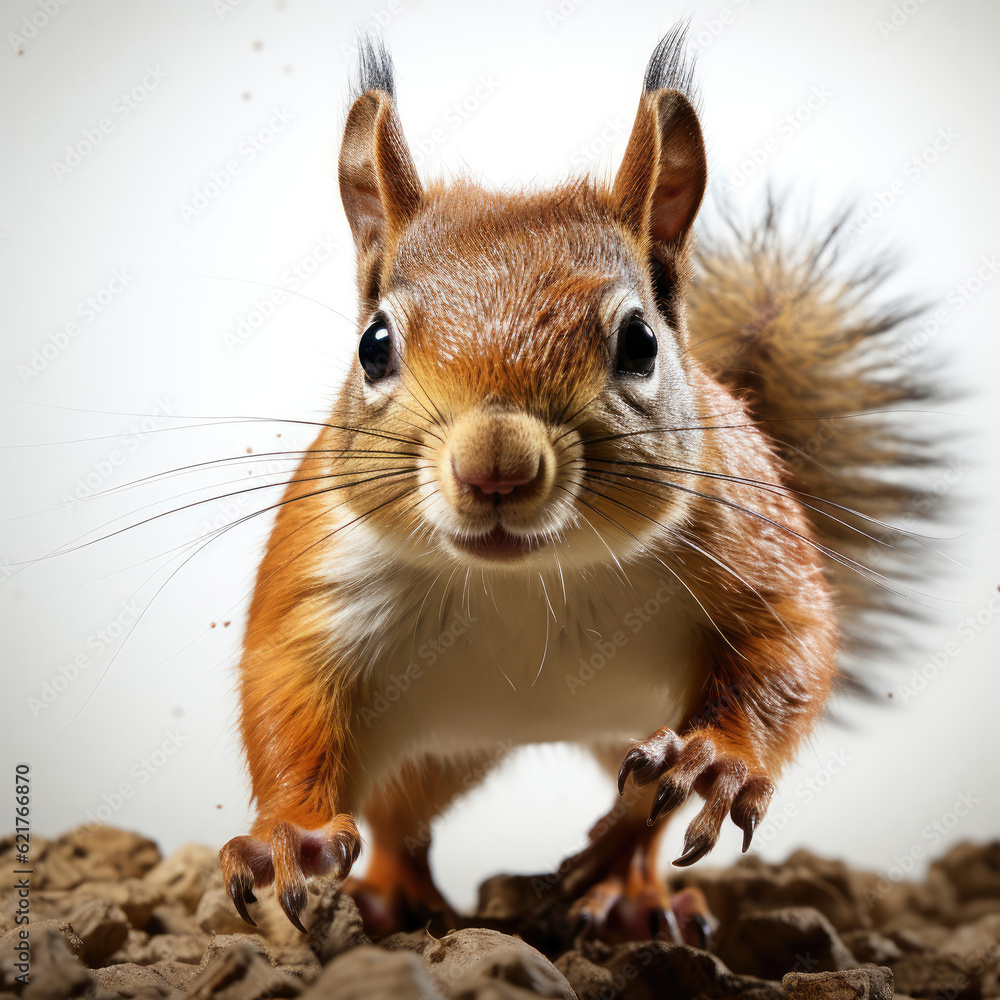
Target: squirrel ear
(661,181)
(378,181)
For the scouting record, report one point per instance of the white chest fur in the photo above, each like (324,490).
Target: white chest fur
(483,662)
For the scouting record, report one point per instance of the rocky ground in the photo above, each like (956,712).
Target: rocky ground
(112,918)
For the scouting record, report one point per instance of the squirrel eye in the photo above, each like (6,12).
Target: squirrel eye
(636,347)
(375,350)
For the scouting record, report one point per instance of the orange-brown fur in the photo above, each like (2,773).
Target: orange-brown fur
(499,303)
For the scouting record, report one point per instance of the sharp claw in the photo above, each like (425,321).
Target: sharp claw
(695,850)
(704,930)
(241,895)
(631,759)
(663,926)
(668,797)
(348,851)
(293,901)
(340,849)
(749,825)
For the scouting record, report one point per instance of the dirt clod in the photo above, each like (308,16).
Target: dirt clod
(112,918)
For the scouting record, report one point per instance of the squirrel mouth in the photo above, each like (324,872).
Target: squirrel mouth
(498,545)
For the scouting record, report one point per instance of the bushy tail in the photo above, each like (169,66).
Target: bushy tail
(825,372)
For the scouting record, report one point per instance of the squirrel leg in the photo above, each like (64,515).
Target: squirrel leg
(769,655)
(286,856)
(397,891)
(613,882)
(731,780)
(295,725)
(762,697)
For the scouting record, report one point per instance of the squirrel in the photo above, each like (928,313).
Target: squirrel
(569,491)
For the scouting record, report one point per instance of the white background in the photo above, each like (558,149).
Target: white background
(144,728)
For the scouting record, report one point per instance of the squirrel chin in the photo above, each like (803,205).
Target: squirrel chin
(496,547)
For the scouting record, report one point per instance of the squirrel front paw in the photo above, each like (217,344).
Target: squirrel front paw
(285,856)
(728,780)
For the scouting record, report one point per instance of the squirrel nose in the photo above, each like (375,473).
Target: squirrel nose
(492,481)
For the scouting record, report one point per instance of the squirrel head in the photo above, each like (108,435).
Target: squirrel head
(518,347)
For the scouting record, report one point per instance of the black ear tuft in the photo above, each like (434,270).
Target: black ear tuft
(375,70)
(670,66)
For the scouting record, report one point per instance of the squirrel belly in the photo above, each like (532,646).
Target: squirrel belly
(486,661)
